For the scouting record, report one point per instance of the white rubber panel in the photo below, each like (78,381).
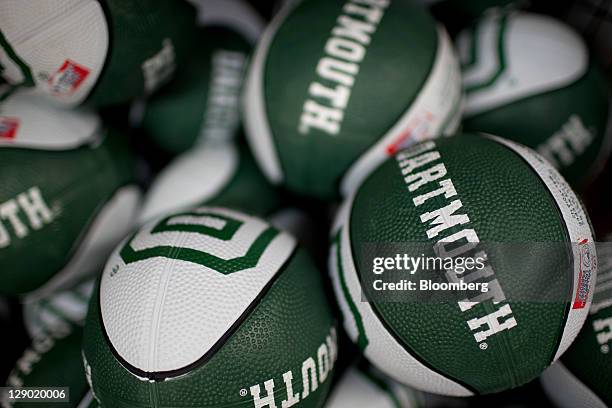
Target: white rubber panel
(37,125)
(540,53)
(50,37)
(153,307)
(192,178)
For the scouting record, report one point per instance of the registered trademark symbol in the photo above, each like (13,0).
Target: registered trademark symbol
(114,270)
(483,346)
(605,349)
(243,392)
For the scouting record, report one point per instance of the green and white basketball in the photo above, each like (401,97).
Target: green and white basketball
(367,78)
(214,174)
(475,197)
(59,311)
(210,308)
(65,180)
(582,376)
(53,360)
(529,78)
(201,104)
(102,51)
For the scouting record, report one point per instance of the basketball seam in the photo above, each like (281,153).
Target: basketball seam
(362,339)
(377,152)
(211,352)
(392,331)
(530,97)
(258,132)
(567,235)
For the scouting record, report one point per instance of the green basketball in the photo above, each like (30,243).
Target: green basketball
(100,51)
(581,377)
(54,360)
(529,78)
(59,311)
(65,181)
(209,308)
(214,174)
(337,86)
(475,197)
(201,103)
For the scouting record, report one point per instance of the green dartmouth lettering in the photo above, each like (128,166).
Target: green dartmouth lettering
(344,50)
(425,177)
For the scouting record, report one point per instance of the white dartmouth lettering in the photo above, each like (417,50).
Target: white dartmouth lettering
(323,362)
(447,188)
(425,173)
(309,371)
(158,68)
(336,70)
(8,212)
(314,371)
(268,400)
(321,117)
(221,114)
(570,141)
(492,323)
(443,218)
(292,398)
(18,216)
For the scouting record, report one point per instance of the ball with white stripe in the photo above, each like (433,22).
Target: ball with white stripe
(530,78)
(368,78)
(102,52)
(210,307)
(68,195)
(582,377)
(410,232)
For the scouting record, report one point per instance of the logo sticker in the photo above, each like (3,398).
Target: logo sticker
(419,128)
(8,127)
(68,78)
(586,263)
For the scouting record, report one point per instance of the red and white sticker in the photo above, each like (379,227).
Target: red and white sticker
(68,78)
(587,263)
(8,128)
(418,128)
